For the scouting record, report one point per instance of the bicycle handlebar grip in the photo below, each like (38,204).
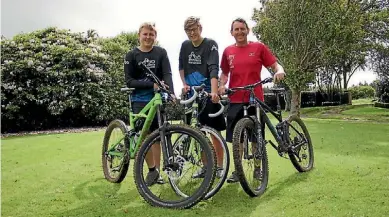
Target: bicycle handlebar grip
(268,80)
(126,89)
(190,100)
(219,112)
(229,91)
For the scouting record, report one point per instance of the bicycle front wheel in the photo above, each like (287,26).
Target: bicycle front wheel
(251,161)
(182,146)
(178,171)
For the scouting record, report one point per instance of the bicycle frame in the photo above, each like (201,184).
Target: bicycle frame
(152,108)
(262,107)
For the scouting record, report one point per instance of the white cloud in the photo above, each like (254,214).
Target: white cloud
(112,17)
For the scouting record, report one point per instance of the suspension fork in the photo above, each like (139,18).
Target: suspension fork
(245,147)
(166,145)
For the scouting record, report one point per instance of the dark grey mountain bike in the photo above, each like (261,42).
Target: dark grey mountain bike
(291,135)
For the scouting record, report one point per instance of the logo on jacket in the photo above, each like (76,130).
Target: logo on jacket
(149,63)
(194,59)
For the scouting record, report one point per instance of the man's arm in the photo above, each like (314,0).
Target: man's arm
(270,60)
(224,65)
(213,69)
(279,71)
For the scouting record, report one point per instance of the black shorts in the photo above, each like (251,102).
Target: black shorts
(235,113)
(218,122)
(137,107)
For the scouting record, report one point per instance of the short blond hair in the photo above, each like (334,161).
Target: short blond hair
(190,21)
(147,25)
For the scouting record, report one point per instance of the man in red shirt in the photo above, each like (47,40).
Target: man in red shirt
(243,61)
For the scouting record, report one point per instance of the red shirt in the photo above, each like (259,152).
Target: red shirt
(245,65)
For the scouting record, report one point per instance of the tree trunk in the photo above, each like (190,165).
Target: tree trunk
(296,102)
(288,98)
(345,81)
(346,75)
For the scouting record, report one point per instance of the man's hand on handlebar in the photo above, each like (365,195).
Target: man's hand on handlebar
(186,88)
(214,97)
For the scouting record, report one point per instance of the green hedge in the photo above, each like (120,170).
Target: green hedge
(360,92)
(55,78)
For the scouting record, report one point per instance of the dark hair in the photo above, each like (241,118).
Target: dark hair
(240,20)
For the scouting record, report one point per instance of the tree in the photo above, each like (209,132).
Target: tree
(378,27)
(298,32)
(351,47)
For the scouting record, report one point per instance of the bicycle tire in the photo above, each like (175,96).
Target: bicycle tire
(126,161)
(216,185)
(236,139)
(223,142)
(187,202)
(292,156)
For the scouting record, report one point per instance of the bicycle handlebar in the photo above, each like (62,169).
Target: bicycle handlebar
(197,89)
(250,86)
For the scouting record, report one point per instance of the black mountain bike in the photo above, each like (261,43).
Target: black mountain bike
(292,137)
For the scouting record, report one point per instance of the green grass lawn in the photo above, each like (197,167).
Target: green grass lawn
(61,175)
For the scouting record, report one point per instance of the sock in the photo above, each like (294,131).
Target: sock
(151,169)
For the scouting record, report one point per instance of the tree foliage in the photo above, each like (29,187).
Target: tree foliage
(299,33)
(326,40)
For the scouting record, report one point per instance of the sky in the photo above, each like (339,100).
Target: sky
(109,18)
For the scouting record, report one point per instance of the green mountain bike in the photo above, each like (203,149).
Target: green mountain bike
(134,142)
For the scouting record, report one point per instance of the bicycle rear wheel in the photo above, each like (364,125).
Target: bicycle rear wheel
(251,164)
(115,159)
(188,191)
(300,149)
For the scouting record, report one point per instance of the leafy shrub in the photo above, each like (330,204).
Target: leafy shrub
(359,92)
(55,78)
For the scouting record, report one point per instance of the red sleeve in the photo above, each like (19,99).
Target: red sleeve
(266,56)
(224,63)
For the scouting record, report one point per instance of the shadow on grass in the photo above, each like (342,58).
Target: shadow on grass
(231,200)
(101,198)
(98,188)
